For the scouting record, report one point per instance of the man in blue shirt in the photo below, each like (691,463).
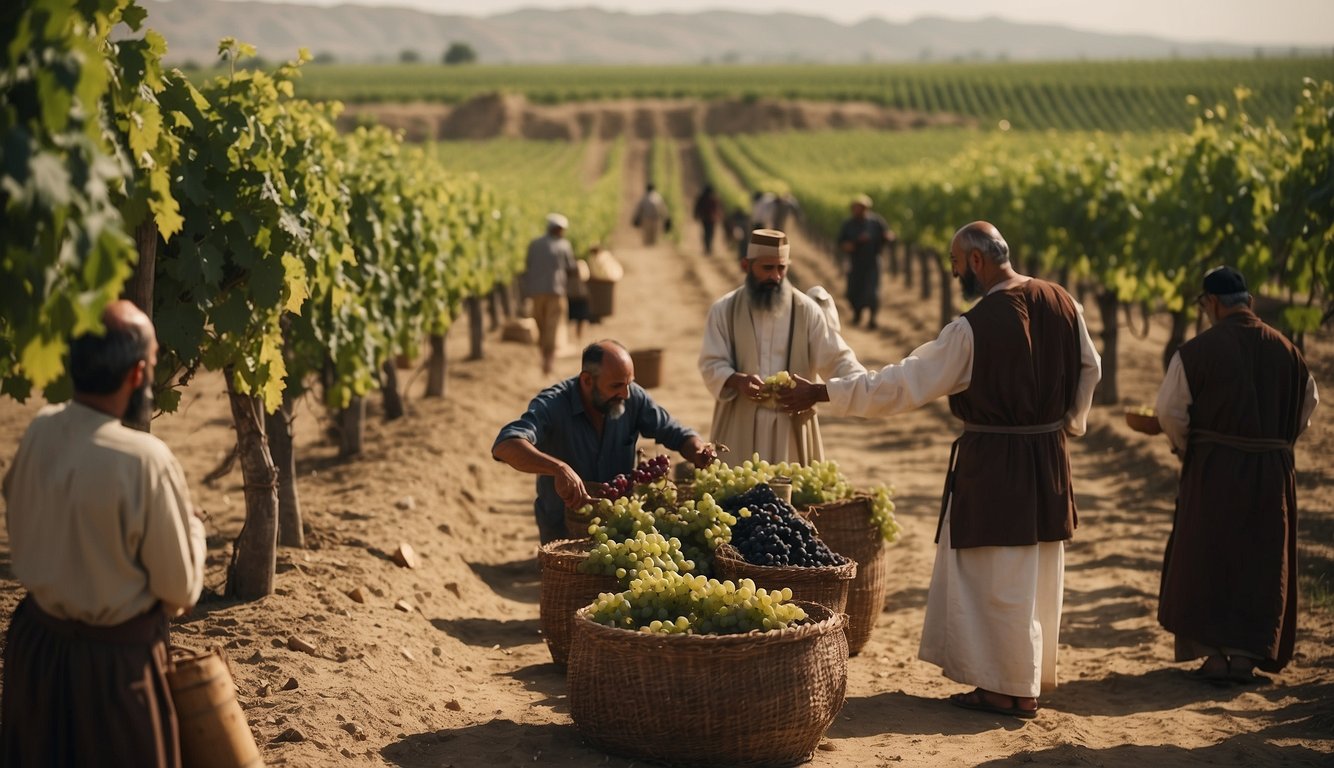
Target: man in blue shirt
(586,428)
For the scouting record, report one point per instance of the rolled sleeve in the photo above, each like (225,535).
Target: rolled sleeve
(531,426)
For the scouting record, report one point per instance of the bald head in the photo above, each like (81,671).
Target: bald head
(606,354)
(99,364)
(983,237)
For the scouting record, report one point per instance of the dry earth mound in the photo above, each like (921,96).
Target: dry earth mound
(513,116)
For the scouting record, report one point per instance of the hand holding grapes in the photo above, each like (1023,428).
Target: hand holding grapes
(698,452)
(747,385)
(570,487)
(802,395)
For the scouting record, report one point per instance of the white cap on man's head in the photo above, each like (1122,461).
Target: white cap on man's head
(557,220)
(768,244)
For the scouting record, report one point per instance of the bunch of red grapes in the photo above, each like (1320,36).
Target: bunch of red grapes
(648,471)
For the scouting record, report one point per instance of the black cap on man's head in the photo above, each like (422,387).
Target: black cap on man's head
(1224,281)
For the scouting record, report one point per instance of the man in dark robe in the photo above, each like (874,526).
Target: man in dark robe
(862,237)
(1233,402)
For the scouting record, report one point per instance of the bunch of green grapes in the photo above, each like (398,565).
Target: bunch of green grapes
(698,527)
(819,482)
(627,559)
(813,483)
(777,382)
(672,603)
(882,513)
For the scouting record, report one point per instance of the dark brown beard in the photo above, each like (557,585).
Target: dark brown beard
(763,295)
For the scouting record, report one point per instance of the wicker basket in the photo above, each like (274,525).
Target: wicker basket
(576,525)
(1143,422)
(846,526)
(758,699)
(827,585)
(566,590)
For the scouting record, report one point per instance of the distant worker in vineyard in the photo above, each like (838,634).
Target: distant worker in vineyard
(708,212)
(786,208)
(862,238)
(545,282)
(103,538)
(652,215)
(755,331)
(1019,369)
(1233,402)
(585,429)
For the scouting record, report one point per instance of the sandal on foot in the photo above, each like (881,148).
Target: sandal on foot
(977,701)
(1219,677)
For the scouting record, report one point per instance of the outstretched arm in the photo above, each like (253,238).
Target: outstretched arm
(525,457)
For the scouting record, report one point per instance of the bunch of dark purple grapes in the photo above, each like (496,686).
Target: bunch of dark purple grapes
(648,471)
(774,534)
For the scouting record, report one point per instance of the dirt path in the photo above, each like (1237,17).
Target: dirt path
(462,677)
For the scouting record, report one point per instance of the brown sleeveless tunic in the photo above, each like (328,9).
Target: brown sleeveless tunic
(1230,570)
(1014,489)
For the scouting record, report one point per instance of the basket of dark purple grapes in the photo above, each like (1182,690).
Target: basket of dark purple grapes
(565,589)
(647,479)
(775,547)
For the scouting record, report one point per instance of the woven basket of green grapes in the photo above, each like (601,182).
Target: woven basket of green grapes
(567,586)
(730,675)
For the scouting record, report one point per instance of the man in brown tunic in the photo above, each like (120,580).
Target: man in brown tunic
(1233,402)
(1019,369)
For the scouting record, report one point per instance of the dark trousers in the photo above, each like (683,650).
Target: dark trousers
(81,695)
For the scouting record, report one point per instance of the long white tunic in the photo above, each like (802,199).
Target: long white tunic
(993,614)
(765,430)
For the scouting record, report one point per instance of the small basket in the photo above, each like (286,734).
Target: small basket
(566,590)
(648,367)
(576,525)
(1147,423)
(755,699)
(826,585)
(845,525)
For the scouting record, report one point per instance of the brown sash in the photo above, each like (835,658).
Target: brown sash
(1247,444)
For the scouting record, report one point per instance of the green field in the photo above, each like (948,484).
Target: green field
(1110,96)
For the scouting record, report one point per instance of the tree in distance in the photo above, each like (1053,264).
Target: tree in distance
(460,53)
(409,56)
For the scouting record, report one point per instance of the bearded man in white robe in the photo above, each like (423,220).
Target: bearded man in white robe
(757,330)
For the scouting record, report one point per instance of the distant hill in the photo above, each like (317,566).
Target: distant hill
(353,33)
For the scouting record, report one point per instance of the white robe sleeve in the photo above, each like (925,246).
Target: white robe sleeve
(831,357)
(1090,373)
(1173,405)
(715,359)
(1309,403)
(935,369)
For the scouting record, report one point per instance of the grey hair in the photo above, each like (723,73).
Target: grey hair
(994,248)
(1234,299)
(591,361)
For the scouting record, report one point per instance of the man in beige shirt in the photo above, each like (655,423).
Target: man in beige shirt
(103,537)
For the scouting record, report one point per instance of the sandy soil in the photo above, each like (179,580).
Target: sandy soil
(463,678)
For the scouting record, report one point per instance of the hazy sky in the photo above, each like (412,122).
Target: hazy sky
(1305,22)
